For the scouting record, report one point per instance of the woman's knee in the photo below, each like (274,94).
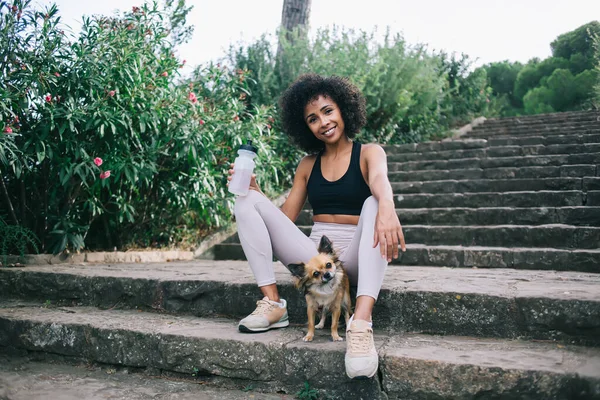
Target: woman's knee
(246,203)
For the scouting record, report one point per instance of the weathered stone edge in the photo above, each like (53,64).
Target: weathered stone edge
(105,257)
(288,365)
(447,313)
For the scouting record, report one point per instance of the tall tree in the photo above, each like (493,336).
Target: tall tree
(577,46)
(294,25)
(294,17)
(295,13)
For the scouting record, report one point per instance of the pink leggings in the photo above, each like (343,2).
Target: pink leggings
(264,229)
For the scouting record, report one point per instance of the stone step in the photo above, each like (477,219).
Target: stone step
(21,378)
(500,151)
(545,118)
(494,368)
(579,216)
(500,257)
(438,155)
(493,185)
(524,140)
(565,198)
(539,125)
(555,236)
(489,133)
(592,198)
(468,257)
(459,144)
(496,162)
(558,236)
(505,303)
(542,120)
(564,171)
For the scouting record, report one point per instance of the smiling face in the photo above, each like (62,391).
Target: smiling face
(324,119)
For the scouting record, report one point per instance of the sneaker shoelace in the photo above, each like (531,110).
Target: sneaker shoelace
(360,342)
(262,307)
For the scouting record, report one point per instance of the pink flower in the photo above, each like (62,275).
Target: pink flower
(135,9)
(111,93)
(8,129)
(192,98)
(164,74)
(48,98)
(98,161)
(104,174)
(56,74)
(268,126)
(236,118)
(184,61)
(201,122)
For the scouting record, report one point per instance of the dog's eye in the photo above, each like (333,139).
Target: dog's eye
(328,265)
(315,274)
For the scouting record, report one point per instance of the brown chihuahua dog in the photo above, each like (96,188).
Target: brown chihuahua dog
(326,287)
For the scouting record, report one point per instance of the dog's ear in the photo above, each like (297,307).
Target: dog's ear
(325,245)
(297,270)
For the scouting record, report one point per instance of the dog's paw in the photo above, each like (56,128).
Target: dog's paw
(337,338)
(308,338)
(320,325)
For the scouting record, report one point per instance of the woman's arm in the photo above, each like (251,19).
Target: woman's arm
(295,201)
(388,231)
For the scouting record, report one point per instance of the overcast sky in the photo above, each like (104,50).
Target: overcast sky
(487,30)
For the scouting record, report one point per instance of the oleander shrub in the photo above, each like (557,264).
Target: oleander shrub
(103,145)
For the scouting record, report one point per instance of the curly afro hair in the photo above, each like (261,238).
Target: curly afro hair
(308,87)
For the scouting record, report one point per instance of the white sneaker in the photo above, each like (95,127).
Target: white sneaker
(361,359)
(267,315)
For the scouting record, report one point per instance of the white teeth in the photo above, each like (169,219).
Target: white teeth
(329,132)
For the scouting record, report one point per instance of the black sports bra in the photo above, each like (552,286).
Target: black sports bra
(344,196)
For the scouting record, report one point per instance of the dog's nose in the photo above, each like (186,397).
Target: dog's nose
(327,276)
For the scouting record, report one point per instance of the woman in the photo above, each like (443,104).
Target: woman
(348,188)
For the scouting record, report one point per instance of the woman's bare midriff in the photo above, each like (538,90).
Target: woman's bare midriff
(336,219)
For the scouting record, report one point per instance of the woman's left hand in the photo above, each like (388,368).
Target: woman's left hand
(388,231)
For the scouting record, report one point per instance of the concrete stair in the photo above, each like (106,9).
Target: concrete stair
(497,296)
(496,334)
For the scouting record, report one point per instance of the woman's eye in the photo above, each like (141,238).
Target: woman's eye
(315,274)
(328,265)
(328,111)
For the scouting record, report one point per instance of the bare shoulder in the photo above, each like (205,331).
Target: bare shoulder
(305,166)
(373,151)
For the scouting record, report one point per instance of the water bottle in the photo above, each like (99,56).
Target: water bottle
(242,170)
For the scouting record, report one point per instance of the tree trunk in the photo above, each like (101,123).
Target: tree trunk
(295,14)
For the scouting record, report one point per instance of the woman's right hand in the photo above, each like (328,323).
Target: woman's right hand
(253,184)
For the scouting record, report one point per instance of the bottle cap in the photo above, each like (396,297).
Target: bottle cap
(248,146)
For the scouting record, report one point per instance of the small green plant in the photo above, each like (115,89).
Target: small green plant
(195,371)
(248,388)
(306,393)
(15,238)
(47,304)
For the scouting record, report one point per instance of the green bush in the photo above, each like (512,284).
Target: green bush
(596,88)
(501,78)
(112,94)
(15,239)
